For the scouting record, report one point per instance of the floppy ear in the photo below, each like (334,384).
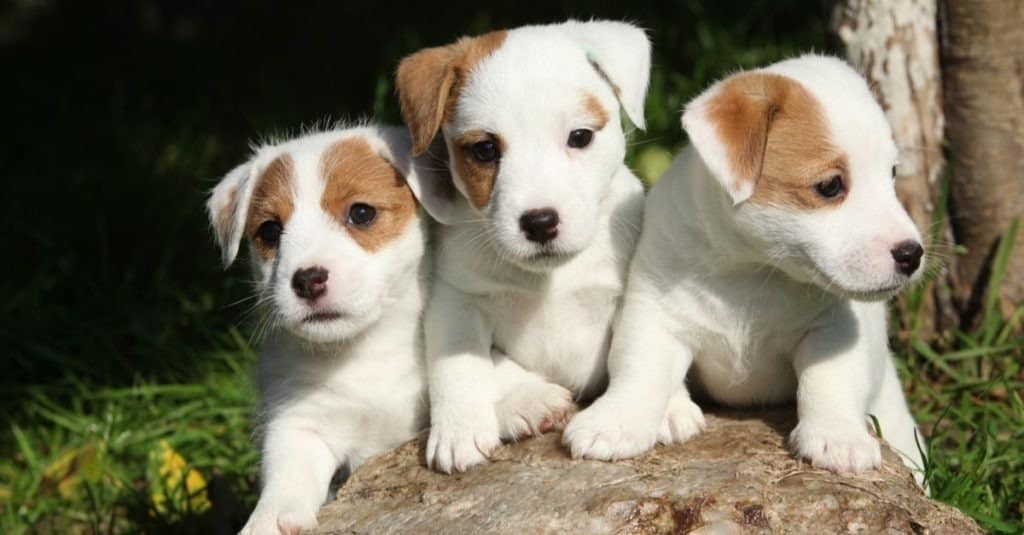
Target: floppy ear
(227,208)
(622,53)
(728,125)
(424,83)
(426,174)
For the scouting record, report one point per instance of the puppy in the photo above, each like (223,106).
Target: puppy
(337,247)
(768,251)
(539,219)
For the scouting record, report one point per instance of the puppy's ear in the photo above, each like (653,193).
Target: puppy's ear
(728,124)
(227,208)
(424,83)
(427,83)
(426,174)
(622,53)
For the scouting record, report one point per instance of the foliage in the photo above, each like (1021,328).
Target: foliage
(127,396)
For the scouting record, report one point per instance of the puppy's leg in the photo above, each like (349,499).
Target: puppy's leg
(529,404)
(646,366)
(460,374)
(896,423)
(296,473)
(836,376)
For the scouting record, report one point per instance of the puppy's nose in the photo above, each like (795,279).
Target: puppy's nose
(540,225)
(310,283)
(907,256)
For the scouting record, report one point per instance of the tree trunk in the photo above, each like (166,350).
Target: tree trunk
(894,45)
(983,69)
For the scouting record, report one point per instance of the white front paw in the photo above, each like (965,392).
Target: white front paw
(532,408)
(611,429)
(840,447)
(683,419)
(276,517)
(458,443)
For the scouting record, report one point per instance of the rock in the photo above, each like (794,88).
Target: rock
(736,477)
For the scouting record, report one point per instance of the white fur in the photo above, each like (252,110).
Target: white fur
(514,329)
(337,392)
(767,305)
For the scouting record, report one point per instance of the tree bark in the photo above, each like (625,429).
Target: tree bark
(735,477)
(894,45)
(982,46)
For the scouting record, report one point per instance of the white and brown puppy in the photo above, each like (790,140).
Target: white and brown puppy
(337,249)
(768,251)
(539,219)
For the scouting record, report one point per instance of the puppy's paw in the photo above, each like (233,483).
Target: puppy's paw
(456,445)
(836,446)
(609,430)
(280,518)
(533,408)
(683,419)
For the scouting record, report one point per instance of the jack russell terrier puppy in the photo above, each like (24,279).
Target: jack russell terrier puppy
(337,248)
(767,254)
(539,219)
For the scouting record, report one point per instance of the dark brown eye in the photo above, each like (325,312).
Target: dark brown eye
(579,138)
(361,214)
(831,188)
(894,172)
(485,151)
(270,233)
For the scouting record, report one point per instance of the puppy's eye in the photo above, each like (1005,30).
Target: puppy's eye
(894,172)
(270,233)
(485,151)
(361,215)
(831,188)
(579,138)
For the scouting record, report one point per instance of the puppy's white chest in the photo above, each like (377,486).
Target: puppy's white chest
(563,336)
(744,332)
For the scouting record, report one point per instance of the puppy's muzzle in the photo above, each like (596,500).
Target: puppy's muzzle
(540,226)
(310,283)
(907,255)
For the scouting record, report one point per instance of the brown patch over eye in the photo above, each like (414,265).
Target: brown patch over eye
(360,181)
(596,111)
(776,136)
(477,175)
(271,201)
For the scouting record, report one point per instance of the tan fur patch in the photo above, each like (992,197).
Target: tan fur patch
(595,110)
(356,174)
(777,137)
(478,176)
(272,200)
(429,83)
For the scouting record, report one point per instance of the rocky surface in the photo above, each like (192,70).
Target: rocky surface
(736,477)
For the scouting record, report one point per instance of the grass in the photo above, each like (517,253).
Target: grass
(166,456)
(127,395)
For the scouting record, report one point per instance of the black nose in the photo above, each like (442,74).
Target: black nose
(907,256)
(540,225)
(310,283)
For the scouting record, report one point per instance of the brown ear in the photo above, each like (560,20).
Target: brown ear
(429,81)
(729,124)
(424,83)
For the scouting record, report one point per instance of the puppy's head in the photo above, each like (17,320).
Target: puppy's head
(808,160)
(531,125)
(331,223)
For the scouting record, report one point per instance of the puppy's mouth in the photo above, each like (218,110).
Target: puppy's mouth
(880,293)
(545,258)
(323,316)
